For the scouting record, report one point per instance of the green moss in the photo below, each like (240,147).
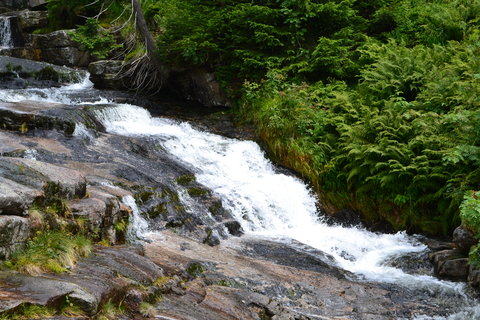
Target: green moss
(29,311)
(185,179)
(144,196)
(215,207)
(195,269)
(48,73)
(197,192)
(157,211)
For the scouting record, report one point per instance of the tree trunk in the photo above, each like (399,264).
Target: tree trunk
(152,51)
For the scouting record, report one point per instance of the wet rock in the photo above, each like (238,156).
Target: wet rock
(14,232)
(441,256)
(233,227)
(104,74)
(262,284)
(464,239)
(455,269)
(52,179)
(436,245)
(28,68)
(21,4)
(58,48)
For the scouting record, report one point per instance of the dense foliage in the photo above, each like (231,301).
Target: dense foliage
(375,102)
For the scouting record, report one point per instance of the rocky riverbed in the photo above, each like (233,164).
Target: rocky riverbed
(193,252)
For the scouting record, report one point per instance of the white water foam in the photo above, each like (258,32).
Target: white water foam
(268,203)
(6,40)
(138,227)
(63,95)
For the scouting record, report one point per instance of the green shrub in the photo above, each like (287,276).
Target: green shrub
(53,251)
(94,39)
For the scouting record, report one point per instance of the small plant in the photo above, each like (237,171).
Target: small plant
(147,310)
(29,311)
(474,256)
(110,311)
(50,252)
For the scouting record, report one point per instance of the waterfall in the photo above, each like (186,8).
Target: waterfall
(6,39)
(271,204)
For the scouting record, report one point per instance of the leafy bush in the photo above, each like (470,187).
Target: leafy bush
(94,39)
(470,211)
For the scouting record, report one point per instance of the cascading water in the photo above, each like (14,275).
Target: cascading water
(263,201)
(6,39)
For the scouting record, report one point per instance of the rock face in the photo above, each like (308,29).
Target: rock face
(198,85)
(56,47)
(29,20)
(464,239)
(247,279)
(104,74)
(105,276)
(21,4)
(14,231)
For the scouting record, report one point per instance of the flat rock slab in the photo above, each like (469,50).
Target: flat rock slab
(35,174)
(106,275)
(240,280)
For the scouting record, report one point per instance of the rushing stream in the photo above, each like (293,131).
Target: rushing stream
(265,202)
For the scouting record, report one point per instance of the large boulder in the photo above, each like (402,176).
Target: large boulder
(58,48)
(16,198)
(14,232)
(455,269)
(464,239)
(104,74)
(30,20)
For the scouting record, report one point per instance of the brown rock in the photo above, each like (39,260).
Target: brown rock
(455,269)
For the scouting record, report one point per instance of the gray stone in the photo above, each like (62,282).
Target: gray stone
(29,66)
(15,198)
(14,232)
(68,183)
(456,269)
(464,239)
(36,3)
(104,74)
(30,20)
